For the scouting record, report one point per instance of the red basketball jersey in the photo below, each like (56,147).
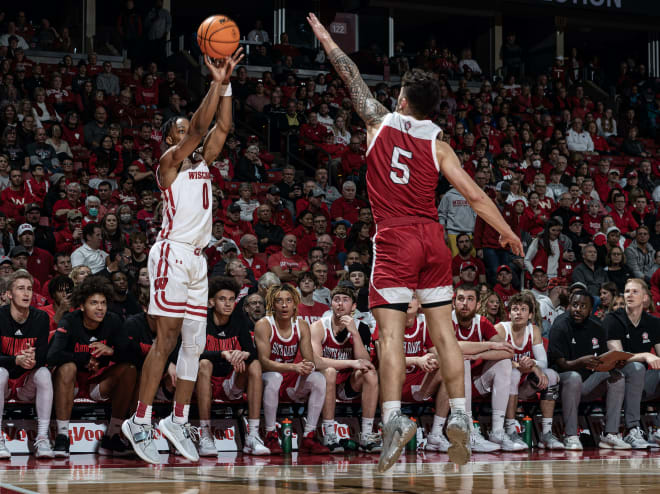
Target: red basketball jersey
(416,341)
(402,169)
(283,350)
(526,349)
(480,330)
(336,350)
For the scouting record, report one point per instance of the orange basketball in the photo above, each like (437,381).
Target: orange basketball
(218,36)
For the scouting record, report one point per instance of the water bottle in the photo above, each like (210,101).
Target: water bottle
(527,431)
(411,446)
(287,432)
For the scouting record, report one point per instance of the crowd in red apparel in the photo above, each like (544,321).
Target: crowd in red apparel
(80,144)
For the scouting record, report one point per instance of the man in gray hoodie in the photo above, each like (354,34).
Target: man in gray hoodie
(456,215)
(640,255)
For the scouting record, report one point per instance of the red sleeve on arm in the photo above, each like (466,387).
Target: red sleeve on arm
(488,331)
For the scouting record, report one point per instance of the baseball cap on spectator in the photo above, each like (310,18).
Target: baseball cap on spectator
(218,219)
(274,190)
(503,187)
(317,192)
(63,157)
(575,219)
(146,147)
(503,267)
(73,214)
(228,247)
(55,177)
(252,140)
(346,223)
(467,265)
(461,107)
(31,207)
(613,229)
(234,208)
(19,250)
(555,282)
(24,228)
(538,268)
(346,284)
(4,260)
(614,170)
(632,174)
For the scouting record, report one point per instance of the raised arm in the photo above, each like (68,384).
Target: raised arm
(215,139)
(366,106)
(482,204)
(191,137)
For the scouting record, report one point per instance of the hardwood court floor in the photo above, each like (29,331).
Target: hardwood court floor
(566,473)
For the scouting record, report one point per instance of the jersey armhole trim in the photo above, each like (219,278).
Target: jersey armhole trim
(434,149)
(382,126)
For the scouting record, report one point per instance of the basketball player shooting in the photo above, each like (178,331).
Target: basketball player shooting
(177,269)
(405,157)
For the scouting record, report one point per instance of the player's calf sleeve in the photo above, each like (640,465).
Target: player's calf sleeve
(501,384)
(44,398)
(515,382)
(4,381)
(272,383)
(316,383)
(193,339)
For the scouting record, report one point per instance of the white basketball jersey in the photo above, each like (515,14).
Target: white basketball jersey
(187,214)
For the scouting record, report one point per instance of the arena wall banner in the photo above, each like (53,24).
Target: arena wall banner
(634,7)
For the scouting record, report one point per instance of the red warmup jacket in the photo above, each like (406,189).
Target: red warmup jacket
(655,288)
(485,236)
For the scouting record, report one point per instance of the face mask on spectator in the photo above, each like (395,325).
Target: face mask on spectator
(125,218)
(93,212)
(536,163)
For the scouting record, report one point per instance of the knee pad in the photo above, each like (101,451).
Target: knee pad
(551,393)
(316,380)
(4,377)
(193,340)
(272,380)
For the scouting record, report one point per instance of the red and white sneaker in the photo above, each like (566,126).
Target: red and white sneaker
(311,444)
(272,442)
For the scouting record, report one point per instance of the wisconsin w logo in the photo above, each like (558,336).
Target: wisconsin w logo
(160,283)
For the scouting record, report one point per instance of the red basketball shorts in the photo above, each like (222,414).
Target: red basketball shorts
(411,258)
(415,378)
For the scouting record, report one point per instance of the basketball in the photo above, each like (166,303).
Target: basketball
(218,36)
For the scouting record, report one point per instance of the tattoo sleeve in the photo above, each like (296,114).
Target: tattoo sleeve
(369,109)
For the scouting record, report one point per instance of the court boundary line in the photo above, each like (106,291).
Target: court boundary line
(13,488)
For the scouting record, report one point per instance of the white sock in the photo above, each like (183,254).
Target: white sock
(253,427)
(498,421)
(114,426)
(180,413)
(438,424)
(310,428)
(389,408)
(63,427)
(547,425)
(367,425)
(205,427)
(328,427)
(510,426)
(457,404)
(146,414)
(469,414)
(42,427)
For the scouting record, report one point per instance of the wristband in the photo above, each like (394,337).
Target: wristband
(226,88)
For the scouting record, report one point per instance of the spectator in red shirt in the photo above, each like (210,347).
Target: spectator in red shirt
(312,132)
(250,256)
(146,96)
(72,202)
(465,254)
(39,261)
(347,207)
(281,215)
(69,238)
(286,264)
(504,288)
(623,219)
(353,160)
(234,227)
(15,197)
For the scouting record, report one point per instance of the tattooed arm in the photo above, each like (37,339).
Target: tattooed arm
(366,106)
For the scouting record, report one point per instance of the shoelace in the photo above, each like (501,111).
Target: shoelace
(191,432)
(149,431)
(373,437)
(42,441)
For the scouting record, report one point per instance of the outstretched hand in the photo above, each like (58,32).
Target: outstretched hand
(510,240)
(221,69)
(319,30)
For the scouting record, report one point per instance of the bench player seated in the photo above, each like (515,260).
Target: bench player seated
(23,371)
(530,373)
(228,366)
(341,345)
(487,371)
(280,337)
(90,353)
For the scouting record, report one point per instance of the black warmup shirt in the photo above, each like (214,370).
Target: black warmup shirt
(235,335)
(571,341)
(141,338)
(638,339)
(72,339)
(14,337)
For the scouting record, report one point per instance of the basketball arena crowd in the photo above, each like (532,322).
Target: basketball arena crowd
(569,155)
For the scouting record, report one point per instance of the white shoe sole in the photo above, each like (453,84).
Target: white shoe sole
(208,453)
(250,451)
(126,430)
(604,445)
(179,447)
